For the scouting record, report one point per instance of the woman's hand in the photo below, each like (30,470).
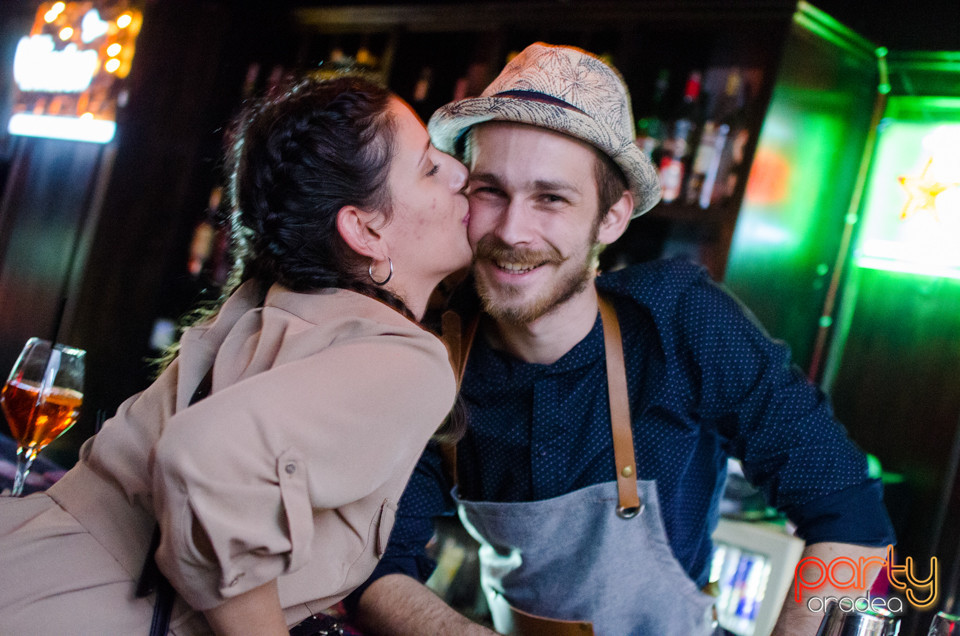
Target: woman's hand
(256,611)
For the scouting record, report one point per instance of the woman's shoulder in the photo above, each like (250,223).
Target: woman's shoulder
(340,309)
(338,316)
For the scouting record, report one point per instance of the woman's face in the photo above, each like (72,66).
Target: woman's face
(427,233)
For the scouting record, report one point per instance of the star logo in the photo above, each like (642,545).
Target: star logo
(922,192)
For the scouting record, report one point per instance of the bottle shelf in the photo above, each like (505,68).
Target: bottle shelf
(692,213)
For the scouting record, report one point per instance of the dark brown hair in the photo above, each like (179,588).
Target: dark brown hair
(297,158)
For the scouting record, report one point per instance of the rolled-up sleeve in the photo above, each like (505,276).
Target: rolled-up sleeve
(237,477)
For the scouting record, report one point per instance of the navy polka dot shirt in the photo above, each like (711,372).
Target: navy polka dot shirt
(705,383)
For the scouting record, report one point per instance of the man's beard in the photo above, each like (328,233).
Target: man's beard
(573,279)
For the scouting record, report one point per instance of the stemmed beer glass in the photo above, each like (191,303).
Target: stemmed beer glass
(41,399)
(944,624)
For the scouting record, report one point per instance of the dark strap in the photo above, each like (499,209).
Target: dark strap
(458,345)
(151,578)
(163,609)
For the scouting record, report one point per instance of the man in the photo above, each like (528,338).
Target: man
(575,523)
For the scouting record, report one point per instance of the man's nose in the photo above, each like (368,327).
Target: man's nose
(513,227)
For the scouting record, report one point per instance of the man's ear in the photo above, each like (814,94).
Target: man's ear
(360,232)
(614,224)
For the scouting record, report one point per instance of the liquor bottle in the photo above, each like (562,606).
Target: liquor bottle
(208,260)
(651,129)
(731,161)
(421,90)
(677,145)
(726,115)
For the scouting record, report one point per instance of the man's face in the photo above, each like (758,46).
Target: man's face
(534,219)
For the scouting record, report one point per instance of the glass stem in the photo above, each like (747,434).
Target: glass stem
(25,457)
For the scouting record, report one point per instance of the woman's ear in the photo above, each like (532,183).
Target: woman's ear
(357,228)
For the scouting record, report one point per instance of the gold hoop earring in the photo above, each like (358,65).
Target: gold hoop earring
(385,280)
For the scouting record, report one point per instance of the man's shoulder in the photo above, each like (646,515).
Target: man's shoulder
(653,283)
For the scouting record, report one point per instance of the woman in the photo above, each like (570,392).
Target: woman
(275,494)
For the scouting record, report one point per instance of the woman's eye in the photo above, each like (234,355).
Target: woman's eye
(434,170)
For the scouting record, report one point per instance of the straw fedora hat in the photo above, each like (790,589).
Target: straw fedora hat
(567,90)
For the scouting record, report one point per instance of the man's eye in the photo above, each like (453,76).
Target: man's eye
(551,198)
(487,190)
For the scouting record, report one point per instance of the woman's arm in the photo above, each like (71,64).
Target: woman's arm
(248,466)
(255,611)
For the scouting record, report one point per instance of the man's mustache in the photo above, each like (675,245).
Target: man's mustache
(493,249)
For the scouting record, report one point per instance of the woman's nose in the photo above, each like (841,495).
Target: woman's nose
(458,178)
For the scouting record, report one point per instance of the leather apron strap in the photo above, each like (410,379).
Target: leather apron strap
(459,341)
(630,505)
(525,624)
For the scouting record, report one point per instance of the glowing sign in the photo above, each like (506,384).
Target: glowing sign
(911,217)
(68,71)
(39,67)
(75,128)
(92,27)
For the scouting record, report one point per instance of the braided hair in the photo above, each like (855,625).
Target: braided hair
(298,156)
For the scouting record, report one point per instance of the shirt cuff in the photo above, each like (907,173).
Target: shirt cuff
(854,515)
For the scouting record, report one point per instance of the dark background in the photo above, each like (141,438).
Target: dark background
(185,86)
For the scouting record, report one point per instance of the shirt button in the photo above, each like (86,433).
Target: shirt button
(290,468)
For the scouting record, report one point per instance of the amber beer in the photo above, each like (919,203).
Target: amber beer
(36,421)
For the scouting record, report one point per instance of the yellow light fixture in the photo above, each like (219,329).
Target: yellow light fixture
(124,21)
(112,65)
(114,49)
(54,12)
(66,33)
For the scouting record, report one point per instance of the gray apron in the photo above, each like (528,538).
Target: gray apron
(597,555)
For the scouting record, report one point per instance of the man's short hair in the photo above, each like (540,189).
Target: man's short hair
(611,183)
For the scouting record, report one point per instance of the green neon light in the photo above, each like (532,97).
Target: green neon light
(828,28)
(907,267)
(923,109)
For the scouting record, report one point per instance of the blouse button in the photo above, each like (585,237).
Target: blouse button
(290,468)
(235,580)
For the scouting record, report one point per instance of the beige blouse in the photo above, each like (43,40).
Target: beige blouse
(320,407)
